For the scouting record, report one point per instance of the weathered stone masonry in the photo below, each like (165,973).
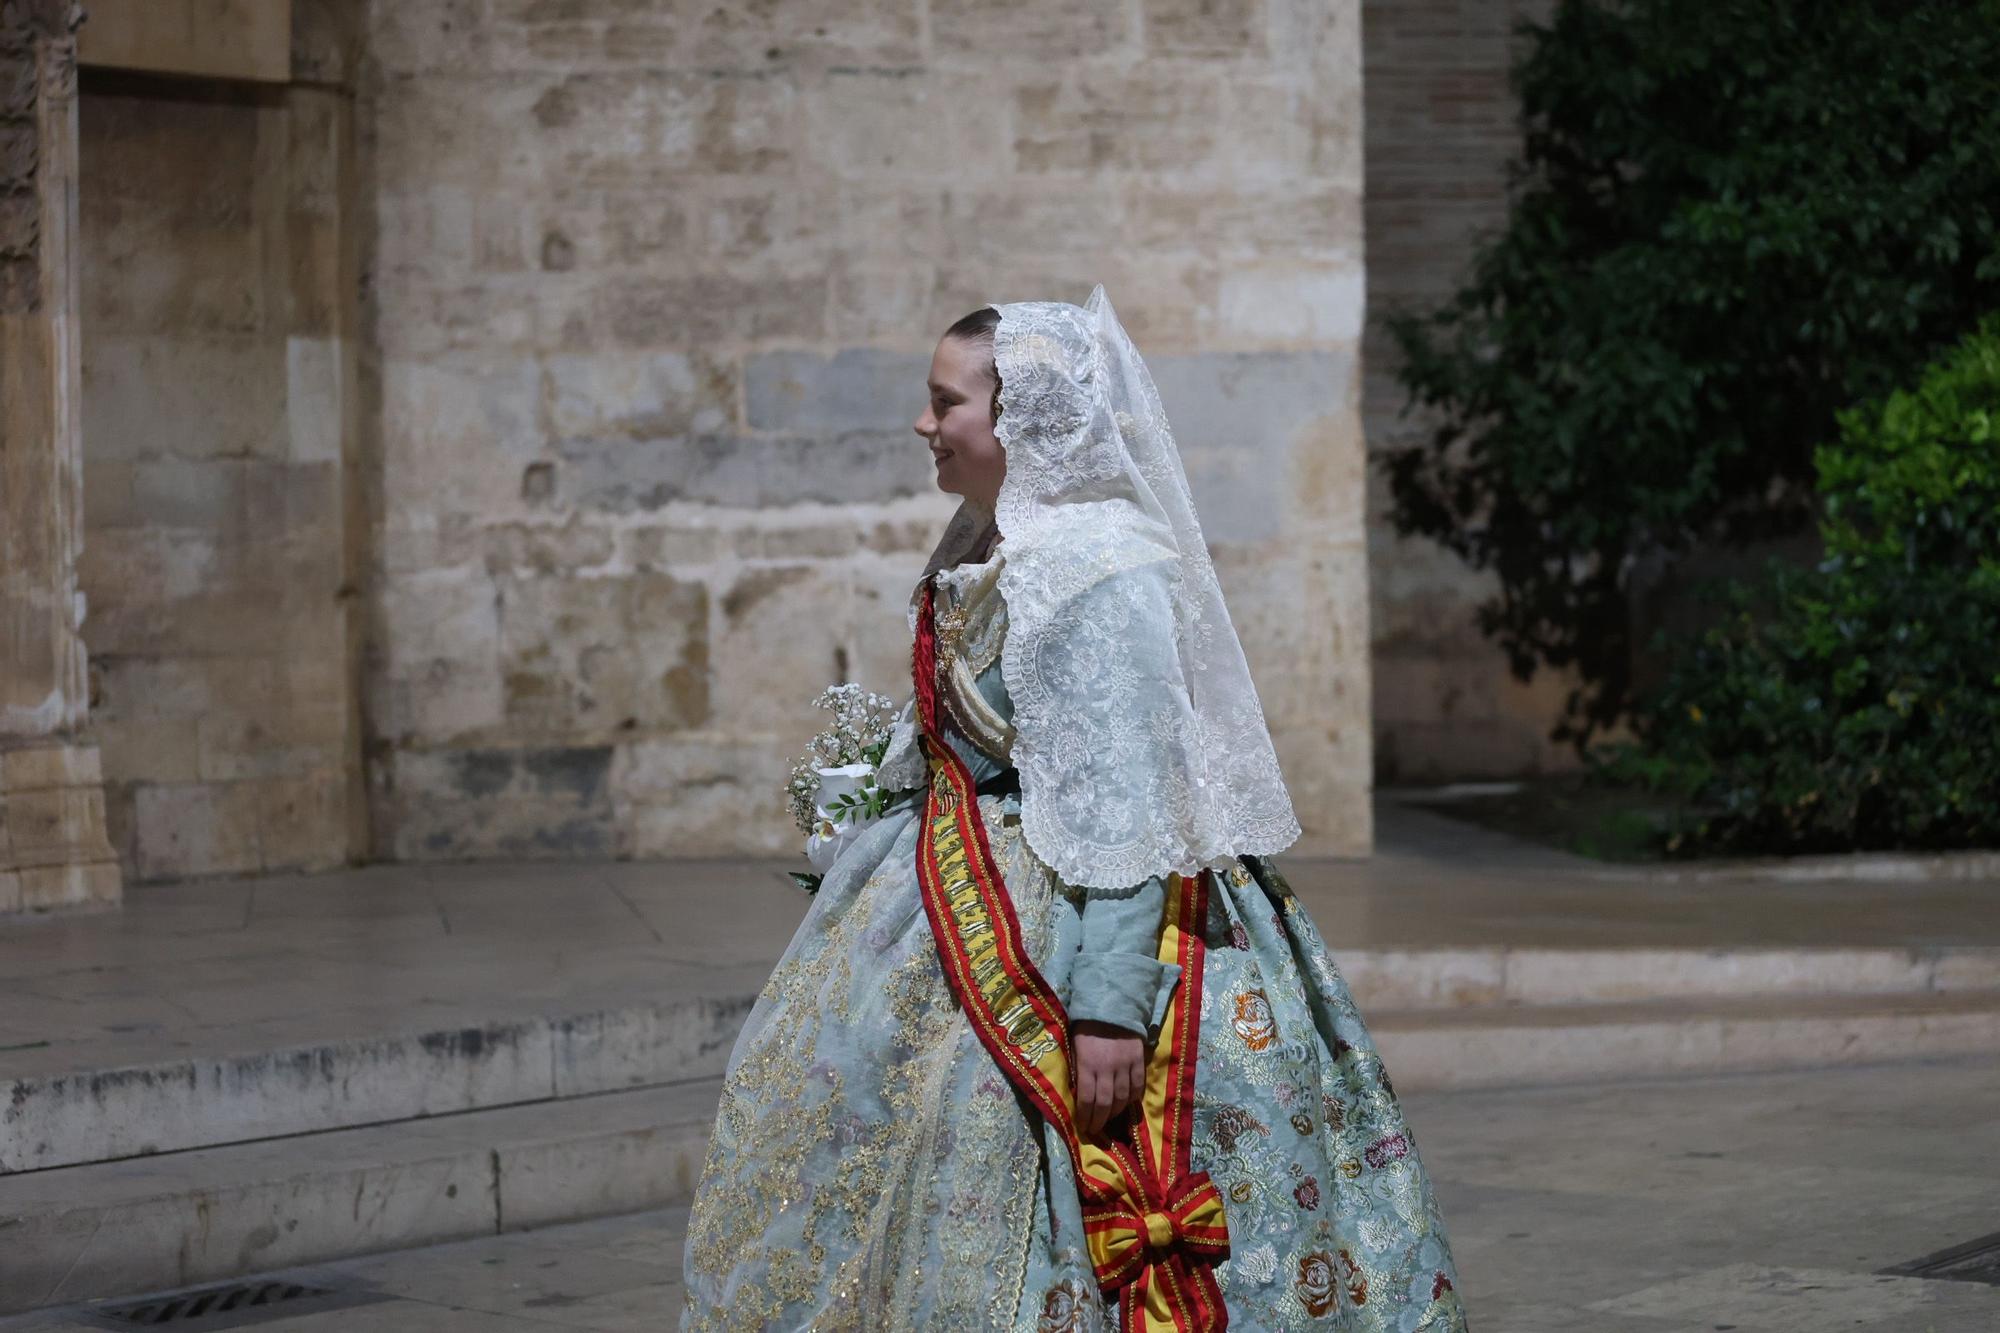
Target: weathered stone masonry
(655,288)
(496,417)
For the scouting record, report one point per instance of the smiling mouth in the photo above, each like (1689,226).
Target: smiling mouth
(940,456)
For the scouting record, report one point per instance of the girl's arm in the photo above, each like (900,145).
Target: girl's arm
(1118,995)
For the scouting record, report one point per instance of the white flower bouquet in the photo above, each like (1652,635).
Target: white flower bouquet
(832,790)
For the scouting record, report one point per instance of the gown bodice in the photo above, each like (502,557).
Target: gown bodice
(976,708)
(972,627)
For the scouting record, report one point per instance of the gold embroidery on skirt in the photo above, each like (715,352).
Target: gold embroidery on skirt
(774,1150)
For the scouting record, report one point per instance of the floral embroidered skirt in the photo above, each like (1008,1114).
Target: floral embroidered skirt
(872,1169)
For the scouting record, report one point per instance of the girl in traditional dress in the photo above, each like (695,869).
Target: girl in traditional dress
(1056,1048)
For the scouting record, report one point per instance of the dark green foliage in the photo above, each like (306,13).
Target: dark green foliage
(1857,705)
(1732,218)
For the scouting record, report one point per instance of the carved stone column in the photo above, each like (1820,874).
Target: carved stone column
(53,849)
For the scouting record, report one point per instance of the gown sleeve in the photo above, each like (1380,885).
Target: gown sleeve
(1118,978)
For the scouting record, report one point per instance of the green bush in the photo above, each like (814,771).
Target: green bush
(1730,219)
(1856,705)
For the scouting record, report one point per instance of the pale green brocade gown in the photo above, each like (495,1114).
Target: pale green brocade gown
(872,1169)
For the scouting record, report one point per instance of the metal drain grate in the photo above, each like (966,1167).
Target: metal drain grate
(1975,1261)
(229,1305)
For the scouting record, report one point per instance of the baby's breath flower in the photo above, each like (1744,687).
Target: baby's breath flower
(859,734)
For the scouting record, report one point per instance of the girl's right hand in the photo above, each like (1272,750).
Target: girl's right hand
(1110,1072)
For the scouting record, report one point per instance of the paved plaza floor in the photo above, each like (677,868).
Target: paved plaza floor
(1765,1203)
(284,959)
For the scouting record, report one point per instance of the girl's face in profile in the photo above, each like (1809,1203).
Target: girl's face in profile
(958,423)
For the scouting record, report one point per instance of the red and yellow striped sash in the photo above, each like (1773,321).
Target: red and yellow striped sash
(1155,1228)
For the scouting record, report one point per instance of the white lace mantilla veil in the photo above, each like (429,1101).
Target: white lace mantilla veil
(1141,744)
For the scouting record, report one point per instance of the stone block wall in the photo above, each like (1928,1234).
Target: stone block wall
(219,462)
(1442,124)
(652,291)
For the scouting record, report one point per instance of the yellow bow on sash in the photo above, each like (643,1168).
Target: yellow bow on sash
(1155,1228)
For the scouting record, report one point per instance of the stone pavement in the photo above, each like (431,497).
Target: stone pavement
(288,955)
(1763,1203)
(1445,916)
(243,1075)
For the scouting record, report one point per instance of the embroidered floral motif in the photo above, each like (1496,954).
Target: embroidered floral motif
(1258,1265)
(1356,1281)
(1253,1020)
(1065,1308)
(1232,1123)
(1315,1283)
(1307,1193)
(1386,1150)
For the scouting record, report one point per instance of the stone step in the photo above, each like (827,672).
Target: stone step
(171,1219)
(148,1223)
(1498,1046)
(248,1086)
(1460,978)
(64,1119)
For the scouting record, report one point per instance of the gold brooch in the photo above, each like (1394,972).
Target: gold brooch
(950,629)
